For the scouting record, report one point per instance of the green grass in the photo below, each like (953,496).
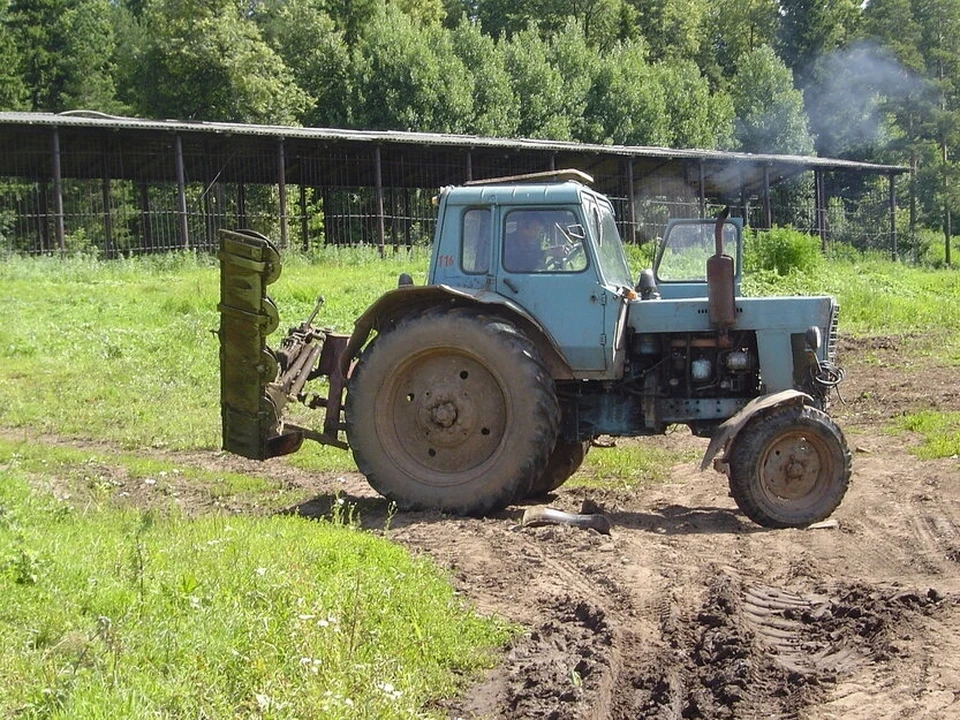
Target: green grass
(939,433)
(125,350)
(94,475)
(116,612)
(879,297)
(629,465)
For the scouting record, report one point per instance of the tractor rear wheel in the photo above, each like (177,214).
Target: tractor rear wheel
(451,410)
(789,467)
(564,461)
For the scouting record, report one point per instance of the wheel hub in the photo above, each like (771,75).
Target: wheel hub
(791,467)
(448,412)
(446,418)
(444,415)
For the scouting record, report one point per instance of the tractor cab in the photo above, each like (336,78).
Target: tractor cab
(550,249)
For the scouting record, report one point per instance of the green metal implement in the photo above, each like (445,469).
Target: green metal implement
(256,383)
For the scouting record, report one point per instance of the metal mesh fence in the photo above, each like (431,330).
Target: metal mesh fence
(351,196)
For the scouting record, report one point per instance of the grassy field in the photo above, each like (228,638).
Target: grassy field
(112,611)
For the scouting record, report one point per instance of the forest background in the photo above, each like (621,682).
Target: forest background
(874,81)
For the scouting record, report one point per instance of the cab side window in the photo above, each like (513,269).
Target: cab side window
(475,241)
(543,241)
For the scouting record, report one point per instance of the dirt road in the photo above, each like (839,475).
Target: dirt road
(688,610)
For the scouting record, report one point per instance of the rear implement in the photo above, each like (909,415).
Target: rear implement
(256,383)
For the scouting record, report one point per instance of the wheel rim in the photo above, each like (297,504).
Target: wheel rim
(796,465)
(442,416)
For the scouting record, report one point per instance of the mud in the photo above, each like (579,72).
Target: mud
(687,609)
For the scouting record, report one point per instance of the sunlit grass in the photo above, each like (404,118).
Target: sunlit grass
(939,433)
(94,475)
(116,612)
(879,297)
(629,464)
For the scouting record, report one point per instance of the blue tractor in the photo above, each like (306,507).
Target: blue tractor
(530,339)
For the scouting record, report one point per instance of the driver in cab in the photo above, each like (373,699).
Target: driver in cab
(527,247)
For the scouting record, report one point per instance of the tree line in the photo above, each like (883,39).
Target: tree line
(876,81)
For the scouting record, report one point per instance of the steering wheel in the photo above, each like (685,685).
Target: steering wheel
(562,256)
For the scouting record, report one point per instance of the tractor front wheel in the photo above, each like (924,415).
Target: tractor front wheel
(451,410)
(789,467)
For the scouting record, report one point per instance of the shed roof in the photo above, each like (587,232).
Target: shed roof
(134,148)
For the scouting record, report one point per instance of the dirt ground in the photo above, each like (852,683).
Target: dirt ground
(686,609)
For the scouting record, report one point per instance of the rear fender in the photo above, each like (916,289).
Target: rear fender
(728,430)
(396,304)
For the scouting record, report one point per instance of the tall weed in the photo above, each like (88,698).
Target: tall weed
(781,250)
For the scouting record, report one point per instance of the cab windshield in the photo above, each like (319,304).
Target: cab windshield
(613,263)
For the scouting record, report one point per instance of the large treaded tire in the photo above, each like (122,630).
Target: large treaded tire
(789,467)
(451,410)
(564,461)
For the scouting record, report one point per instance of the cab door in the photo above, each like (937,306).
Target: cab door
(563,290)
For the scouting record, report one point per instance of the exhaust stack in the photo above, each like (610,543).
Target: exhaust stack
(721,295)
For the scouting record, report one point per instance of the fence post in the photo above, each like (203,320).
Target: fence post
(378,178)
(304,225)
(767,209)
(57,191)
(893,215)
(184,230)
(701,191)
(282,190)
(818,208)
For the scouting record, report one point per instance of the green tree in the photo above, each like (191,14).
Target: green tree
(810,29)
(696,117)
(769,110)
(496,110)
(13,92)
(538,85)
(924,108)
(206,60)
(732,29)
(316,51)
(603,22)
(65,49)
(939,21)
(408,77)
(627,104)
(569,52)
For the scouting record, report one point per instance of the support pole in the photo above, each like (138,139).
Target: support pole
(818,204)
(241,204)
(282,190)
(767,209)
(893,214)
(57,191)
(184,230)
(378,173)
(304,225)
(702,192)
(631,210)
(744,200)
(146,230)
(107,217)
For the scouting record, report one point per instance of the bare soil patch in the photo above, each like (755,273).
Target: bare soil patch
(687,609)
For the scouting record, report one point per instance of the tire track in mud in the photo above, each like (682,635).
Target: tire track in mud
(936,527)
